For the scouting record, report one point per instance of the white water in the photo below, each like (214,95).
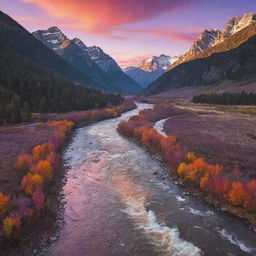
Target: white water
(166,238)
(233,240)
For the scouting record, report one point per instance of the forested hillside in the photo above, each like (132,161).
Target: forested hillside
(26,86)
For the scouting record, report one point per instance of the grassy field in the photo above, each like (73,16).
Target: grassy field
(224,135)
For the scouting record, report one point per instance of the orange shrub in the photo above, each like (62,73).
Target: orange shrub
(191,157)
(44,169)
(237,195)
(40,152)
(181,169)
(167,142)
(199,171)
(4,203)
(64,125)
(23,162)
(204,180)
(111,112)
(31,182)
(252,187)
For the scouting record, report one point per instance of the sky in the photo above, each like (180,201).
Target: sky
(129,30)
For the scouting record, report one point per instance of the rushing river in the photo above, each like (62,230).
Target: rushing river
(120,202)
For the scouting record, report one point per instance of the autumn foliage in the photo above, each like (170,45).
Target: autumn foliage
(39,167)
(23,162)
(193,169)
(38,170)
(4,202)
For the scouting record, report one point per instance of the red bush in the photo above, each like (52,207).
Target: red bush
(38,199)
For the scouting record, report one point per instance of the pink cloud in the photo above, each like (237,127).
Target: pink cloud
(133,61)
(105,16)
(163,33)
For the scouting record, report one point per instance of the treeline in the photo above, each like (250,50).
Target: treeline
(237,98)
(26,87)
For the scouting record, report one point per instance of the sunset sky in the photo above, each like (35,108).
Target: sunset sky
(129,30)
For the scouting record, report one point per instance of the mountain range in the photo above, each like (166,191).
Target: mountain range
(17,39)
(33,76)
(92,61)
(214,57)
(150,69)
(213,40)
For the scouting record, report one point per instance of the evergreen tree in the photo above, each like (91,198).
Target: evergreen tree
(26,112)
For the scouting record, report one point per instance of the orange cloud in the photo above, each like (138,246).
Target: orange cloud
(105,16)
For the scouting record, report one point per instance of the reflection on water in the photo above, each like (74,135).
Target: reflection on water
(120,202)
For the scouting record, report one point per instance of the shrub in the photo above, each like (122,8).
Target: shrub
(237,195)
(191,157)
(4,203)
(40,152)
(181,169)
(44,169)
(8,225)
(31,182)
(23,162)
(38,199)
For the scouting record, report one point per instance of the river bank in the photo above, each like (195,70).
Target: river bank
(120,201)
(140,130)
(42,228)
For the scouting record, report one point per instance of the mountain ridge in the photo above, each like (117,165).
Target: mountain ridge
(150,69)
(15,37)
(214,41)
(90,60)
(237,64)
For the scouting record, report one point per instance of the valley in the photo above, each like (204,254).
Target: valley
(127,128)
(115,178)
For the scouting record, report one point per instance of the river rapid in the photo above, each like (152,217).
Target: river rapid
(121,202)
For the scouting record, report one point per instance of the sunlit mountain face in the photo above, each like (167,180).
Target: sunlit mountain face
(128,31)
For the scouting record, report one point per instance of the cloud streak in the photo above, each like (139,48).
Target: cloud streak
(103,17)
(132,61)
(163,33)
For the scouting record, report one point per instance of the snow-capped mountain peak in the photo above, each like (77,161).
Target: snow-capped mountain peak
(52,37)
(150,69)
(212,38)
(237,23)
(154,63)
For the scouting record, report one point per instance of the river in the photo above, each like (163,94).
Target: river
(121,202)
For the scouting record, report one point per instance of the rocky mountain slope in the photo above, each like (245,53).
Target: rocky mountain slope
(150,69)
(238,64)
(17,39)
(236,31)
(89,60)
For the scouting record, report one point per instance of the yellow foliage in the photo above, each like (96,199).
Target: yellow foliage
(8,225)
(181,169)
(191,157)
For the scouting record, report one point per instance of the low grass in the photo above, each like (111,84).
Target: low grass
(247,110)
